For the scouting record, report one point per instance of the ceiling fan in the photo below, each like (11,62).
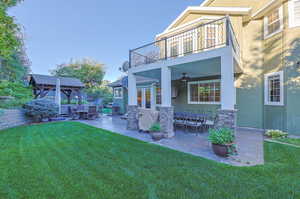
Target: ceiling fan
(185,78)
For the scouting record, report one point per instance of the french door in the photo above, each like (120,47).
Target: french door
(144,97)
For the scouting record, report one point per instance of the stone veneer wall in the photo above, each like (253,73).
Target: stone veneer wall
(166,115)
(226,119)
(132,119)
(12,117)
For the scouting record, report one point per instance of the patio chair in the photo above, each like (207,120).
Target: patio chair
(194,122)
(210,122)
(73,113)
(92,113)
(179,120)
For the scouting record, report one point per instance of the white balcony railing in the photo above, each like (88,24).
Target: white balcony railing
(206,36)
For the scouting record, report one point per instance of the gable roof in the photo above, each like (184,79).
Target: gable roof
(209,10)
(51,80)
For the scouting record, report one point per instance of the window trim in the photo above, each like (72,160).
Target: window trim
(197,82)
(266,32)
(119,97)
(266,89)
(291,8)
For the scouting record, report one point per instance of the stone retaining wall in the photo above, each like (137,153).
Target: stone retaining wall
(12,117)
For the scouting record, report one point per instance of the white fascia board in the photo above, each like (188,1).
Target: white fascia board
(205,2)
(193,22)
(210,10)
(270,5)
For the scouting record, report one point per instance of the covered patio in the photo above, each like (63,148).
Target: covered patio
(188,75)
(249,143)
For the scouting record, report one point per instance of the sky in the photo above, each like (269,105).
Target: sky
(57,31)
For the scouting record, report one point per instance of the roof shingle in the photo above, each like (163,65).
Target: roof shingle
(51,80)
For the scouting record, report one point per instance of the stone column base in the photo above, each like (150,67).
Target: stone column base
(132,119)
(226,119)
(166,115)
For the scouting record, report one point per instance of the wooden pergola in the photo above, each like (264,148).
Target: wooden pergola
(43,84)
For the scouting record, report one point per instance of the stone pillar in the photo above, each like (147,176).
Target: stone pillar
(132,119)
(166,115)
(226,119)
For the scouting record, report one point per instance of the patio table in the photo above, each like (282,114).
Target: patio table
(82,114)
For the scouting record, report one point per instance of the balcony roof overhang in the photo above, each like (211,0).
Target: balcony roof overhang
(242,11)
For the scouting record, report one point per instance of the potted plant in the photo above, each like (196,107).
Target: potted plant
(155,131)
(222,141)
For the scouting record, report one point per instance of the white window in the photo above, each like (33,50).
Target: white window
(204,92)
(273,23)
(274,89)
(174,47)
(294,13)
(211,36)
(118,92)
(182,44)
(158,95)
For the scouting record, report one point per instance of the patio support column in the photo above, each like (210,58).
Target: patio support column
(227,114)
(166,109)
(132,109)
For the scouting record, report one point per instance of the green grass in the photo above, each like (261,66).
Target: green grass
(73,160)
(293,141)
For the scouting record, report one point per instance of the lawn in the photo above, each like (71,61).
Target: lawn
(73,160)
(293,141)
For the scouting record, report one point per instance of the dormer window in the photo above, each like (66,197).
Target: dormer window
(273,23)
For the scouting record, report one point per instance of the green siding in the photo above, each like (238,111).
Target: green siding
(249,104)
(292,98)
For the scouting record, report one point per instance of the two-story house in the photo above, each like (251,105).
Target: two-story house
(238,59)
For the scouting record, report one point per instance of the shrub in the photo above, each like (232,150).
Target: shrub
(222,136)
(41,109)
(276,134)
(155,128)
(18,93)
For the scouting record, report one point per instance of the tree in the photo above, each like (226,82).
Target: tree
(89,71)
(14,64)
(103,91)
(9,42)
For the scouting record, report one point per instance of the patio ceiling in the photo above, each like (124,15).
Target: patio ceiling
(203,68)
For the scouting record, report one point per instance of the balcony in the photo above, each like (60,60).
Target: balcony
(208,35)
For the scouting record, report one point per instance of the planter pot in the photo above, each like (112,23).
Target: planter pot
(221,150)
(156,136)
